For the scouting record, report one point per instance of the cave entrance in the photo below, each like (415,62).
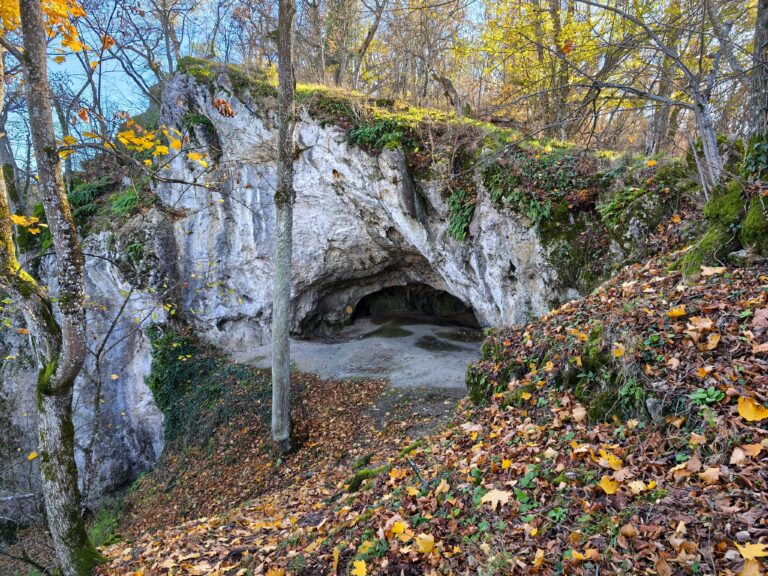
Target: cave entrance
(416,303)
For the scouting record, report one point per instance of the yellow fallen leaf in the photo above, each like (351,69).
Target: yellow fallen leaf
(506,463)
(751,411)
(609,485)
(651,163)
(365,547)
(677,311)
(32,456)
(525,395)
(637,486)
(713,341)
(359,568)
(335,558)
(676,219)
(549,366)
(442,487)
(397,473)
(753,551)
(590,554)
(424,543)
(751,568)
(496,497)
(618,350)
(608,460)
(412,491)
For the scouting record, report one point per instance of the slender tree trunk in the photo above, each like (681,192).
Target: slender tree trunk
(61,348)
(363,50)
(760,72)
(712,162)
(284,198)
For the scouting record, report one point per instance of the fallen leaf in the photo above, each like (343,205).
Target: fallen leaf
(710,476)
(712,270)
(751,411)
(424,543)
(713,341)
(496,497)
(677,311)
(753,551)
(358,568)
(609,485)
(579,413)
(32,456)
(751,568)
(442,487)
(629,530)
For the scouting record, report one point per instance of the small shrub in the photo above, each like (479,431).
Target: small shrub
(462,210)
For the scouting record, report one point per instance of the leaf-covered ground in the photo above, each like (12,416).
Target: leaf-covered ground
(624,433)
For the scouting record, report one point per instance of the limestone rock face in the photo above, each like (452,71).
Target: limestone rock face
(129,436)
(361,224)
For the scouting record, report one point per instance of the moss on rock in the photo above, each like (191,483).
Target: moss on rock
(723,214)
(754,228)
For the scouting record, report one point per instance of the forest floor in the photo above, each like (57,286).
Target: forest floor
(624,433)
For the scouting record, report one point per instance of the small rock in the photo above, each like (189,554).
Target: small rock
(743,536)
(745,257)
(654,407)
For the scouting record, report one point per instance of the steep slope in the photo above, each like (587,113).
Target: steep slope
(622,433)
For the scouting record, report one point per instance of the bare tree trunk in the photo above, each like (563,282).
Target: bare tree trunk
(451,93)
(712,162)
(345,8)
(363,50)
(284,198)
(760,72)
(60,347)
(658,134)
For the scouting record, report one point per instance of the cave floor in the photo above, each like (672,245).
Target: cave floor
(408,352)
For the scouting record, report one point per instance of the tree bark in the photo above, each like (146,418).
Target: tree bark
(451,93)
(760,72)
(363,50)
(284,199)
(61,347)
(712,162)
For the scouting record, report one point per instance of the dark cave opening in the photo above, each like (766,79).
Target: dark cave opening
(416,302)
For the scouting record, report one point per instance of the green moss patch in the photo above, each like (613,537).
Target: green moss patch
(754,228)
(723,214)
(198,389)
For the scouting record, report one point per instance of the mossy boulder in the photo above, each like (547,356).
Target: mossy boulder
(723,214)
(754,228)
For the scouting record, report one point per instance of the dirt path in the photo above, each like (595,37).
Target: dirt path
(409,353)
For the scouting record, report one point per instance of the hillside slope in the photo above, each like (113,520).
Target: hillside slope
(624,433)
